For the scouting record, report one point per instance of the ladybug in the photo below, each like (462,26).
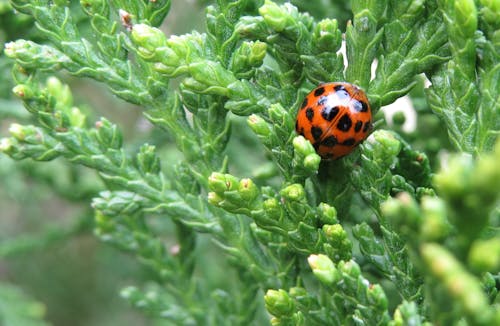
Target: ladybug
(335,118)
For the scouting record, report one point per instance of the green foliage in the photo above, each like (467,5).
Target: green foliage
(17,309)
(380,237)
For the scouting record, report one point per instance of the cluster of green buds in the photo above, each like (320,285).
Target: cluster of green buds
(301,160)
(249,55)
(188,56)
(58,116)
(233,195)
(344,288)
(307,229)
(56,98)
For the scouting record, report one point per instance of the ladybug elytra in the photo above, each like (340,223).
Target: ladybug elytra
(335,118)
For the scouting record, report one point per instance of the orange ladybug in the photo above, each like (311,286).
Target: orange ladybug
(335,118)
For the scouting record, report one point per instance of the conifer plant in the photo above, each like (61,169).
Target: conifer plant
(234,216)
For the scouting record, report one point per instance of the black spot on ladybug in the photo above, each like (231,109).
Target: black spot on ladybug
(367,126)
(341,92)
(329,141)
(322,100)
(316,132)
(310,114)
(364,105)
(329,113)
(349,142)
(319,91)
(344,123)
(304,103)
(358,125)
(339,87)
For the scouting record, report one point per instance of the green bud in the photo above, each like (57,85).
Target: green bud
(297,292)
(21,132)
(214,198)
(277,113)
(311,162)
(61,92)
(6,145)
(377,295)
(272,208)
(276,17)
(303,146)
(326,34)
(248,190)
(14,49)
(435,225)
(182,46)
(484,255)
(294,192)
(217,182)
(249,55)
(257,53)
(383,147)
(259,125)
(148,40)
(24,92)
(335,233)
(324,269)
(108,134)
(327,214)
(147,160)
(466,17)
(305,159)
(279,303)
(221,183)
(491,11)
(77,118)
(350,268)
